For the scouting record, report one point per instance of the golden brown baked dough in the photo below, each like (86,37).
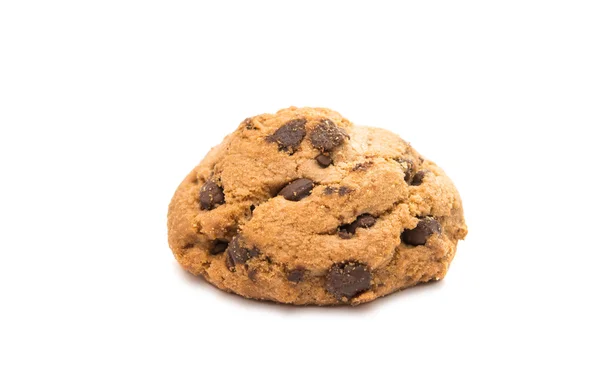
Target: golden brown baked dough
(303,207)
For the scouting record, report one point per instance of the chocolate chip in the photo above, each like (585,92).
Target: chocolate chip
(297,190)
(419,235)
(188,246)
(330,190)
(324,161)
(290,135)
(418,178)
(344,190)
(230,263)
(236,254)
(344,234)
(296,275)
(252,274)
(218,247)
(346,280)
(211,195)
(362,166)
(408,167)
(363,221)
(253,253)
(327,136)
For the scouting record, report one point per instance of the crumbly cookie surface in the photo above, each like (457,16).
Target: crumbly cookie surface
(303,207)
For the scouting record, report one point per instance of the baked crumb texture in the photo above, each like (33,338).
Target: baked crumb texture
(303,207)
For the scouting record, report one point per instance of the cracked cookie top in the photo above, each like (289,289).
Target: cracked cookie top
(310,193)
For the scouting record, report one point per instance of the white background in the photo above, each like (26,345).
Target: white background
(106,105)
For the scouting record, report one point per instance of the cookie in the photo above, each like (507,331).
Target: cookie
(303,207)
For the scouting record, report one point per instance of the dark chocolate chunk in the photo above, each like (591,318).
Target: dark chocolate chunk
(419,235)
(324,161)
(362,166)
(418,178)
(363,221)
(297,190)
(218,247)
(236,254)
(347,280)
(229,262)
(408,167)
(296,275)
(211,196)
(344,190)
(344,234)
(330,190)
(252,274)
(290,135)
(326,136)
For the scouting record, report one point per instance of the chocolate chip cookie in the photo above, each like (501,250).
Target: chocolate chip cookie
(303,207)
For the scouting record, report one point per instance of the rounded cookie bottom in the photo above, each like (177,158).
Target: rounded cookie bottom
(302,207)
(269,281)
